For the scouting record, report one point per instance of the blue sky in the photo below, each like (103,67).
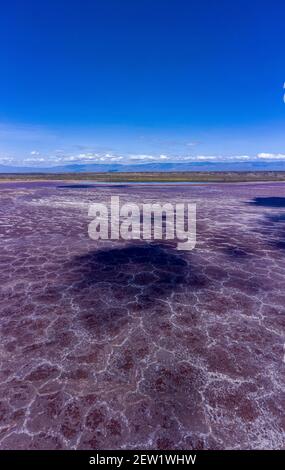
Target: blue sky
(143,80)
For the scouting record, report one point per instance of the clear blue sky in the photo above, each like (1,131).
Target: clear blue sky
(143,77)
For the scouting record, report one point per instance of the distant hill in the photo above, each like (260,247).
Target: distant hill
(145,167)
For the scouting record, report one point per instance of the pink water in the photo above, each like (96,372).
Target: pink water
(135,345)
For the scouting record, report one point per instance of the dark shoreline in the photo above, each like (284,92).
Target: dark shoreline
(161,177)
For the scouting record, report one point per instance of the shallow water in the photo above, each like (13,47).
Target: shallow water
(89,185)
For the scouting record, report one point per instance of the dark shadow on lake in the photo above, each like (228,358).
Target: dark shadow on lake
(90,186)
(272,226)
(107,284)
(268,201)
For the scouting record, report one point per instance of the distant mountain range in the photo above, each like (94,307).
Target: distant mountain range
(141,167)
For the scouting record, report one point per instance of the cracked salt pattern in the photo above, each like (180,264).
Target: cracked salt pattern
(134,345)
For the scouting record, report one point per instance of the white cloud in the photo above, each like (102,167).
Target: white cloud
(34,160)
(95,157)
(271,156)
(207,158)
(60,157)
(141,157)
(191,144)
(5,160)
